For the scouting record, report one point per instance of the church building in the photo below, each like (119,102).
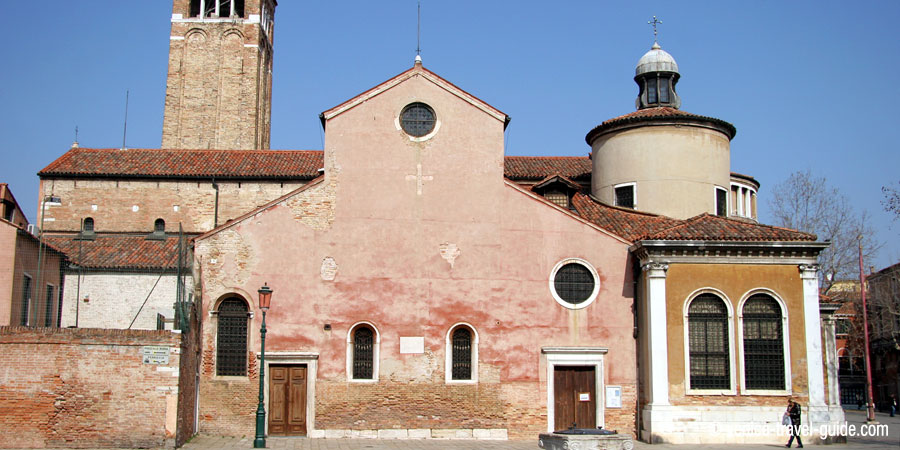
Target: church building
(426,285)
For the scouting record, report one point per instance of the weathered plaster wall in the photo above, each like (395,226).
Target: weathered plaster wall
(386,241)
(7,272)
(735,281)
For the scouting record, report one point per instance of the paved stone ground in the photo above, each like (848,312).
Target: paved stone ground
(854,418)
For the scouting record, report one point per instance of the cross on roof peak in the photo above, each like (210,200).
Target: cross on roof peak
(655,22)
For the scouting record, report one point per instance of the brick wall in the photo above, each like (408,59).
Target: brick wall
(87,388)
(217,68)
(134,205)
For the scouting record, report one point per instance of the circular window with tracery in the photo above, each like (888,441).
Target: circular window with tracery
(417,119)
(574,283)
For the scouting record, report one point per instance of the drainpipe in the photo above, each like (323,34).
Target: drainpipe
(216,213)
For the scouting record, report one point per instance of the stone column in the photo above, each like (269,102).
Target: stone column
(658,333)
(828,324)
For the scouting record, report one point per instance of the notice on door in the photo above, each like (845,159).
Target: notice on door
(584,396)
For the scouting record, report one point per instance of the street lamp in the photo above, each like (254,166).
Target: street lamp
(265,299)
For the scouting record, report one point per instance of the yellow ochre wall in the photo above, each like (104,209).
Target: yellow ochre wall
(735,281)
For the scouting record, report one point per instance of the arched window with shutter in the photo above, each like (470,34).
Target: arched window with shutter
(231,337)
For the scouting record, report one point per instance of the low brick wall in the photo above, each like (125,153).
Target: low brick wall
(87,388)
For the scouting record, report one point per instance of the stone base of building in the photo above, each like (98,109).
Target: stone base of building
(554,441)
(500,434)
(736,425)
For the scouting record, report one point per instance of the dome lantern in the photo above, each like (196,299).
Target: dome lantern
(656,75)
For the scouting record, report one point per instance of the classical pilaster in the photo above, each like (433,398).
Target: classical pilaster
(813,334)
(658,333)
(828,325)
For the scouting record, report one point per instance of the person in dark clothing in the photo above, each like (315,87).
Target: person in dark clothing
(793,410)
(893,405)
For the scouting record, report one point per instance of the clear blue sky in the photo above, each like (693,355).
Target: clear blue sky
(809,85)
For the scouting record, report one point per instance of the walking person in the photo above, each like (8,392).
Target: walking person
(793,410)
(893,405)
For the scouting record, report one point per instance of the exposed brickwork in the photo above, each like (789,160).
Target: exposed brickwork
(219,87)
(115,202)
(85,388)
(187,379)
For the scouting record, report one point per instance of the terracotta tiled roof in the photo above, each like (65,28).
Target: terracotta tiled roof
(577,168)
(161,163)
(118,251)
(627,223)
(664,113)
(259,164)
(636,226)
(710,227)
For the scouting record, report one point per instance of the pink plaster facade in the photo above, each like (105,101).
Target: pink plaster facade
(414,236)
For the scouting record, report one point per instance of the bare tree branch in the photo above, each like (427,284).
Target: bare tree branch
(808,203)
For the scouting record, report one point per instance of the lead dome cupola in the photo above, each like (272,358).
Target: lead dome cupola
(656,75)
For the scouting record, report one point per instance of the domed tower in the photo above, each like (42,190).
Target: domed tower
(660,159)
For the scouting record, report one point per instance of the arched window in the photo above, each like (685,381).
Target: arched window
(87,226)
(710,362)
(231,338)
(363,353)
(159,226)
(763,336)
(462,354)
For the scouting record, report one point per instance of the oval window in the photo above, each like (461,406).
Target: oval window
(417,119)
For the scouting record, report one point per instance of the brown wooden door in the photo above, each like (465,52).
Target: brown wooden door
(575,397)
(287,401)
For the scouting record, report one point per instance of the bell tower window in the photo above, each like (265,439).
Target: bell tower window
(217,8)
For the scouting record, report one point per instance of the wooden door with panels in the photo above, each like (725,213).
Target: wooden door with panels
(575,397)
(287,400)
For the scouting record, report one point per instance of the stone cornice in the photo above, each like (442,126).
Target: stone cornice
(727,252)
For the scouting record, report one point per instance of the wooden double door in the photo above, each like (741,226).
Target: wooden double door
(575,397)
(287,400)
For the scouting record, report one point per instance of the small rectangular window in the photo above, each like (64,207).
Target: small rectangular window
(48,307)
(664,90)
(721,202)
(651,90)
(625,196)
(26,297)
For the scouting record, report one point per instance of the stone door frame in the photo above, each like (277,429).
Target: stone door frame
(311,360)
(576,356)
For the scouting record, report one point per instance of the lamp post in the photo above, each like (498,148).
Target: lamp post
(265,298)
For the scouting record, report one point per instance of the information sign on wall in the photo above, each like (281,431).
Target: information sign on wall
(155,354)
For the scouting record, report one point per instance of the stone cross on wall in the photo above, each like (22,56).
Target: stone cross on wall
(419,178)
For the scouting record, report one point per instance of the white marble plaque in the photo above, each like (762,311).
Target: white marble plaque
(412,344)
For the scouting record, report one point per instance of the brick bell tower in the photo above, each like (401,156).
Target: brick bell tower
(219,86)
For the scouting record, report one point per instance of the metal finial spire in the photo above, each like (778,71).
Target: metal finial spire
(419,33)
(655,22)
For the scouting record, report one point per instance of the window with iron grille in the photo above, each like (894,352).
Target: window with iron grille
(462,354)
(763,344)
(231,338)
(625,196)
(26,298)
(574,283)
(417,119)
(559,198)
(363,353)
(708,343)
